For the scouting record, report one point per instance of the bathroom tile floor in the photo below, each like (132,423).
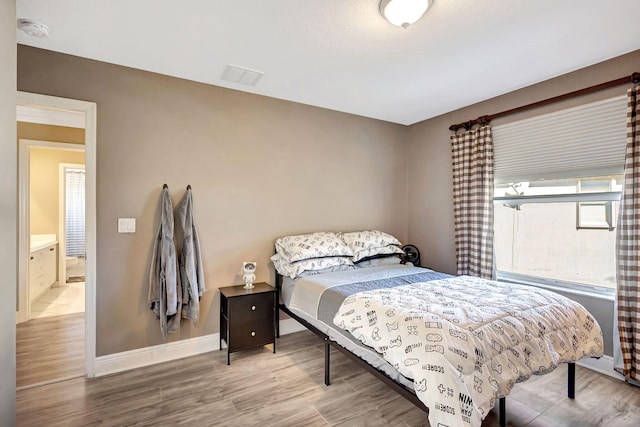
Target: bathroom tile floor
(61,300)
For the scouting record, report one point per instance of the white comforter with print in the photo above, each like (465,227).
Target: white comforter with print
(466,341)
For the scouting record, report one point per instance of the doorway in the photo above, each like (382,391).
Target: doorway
(56,220)
(52,110)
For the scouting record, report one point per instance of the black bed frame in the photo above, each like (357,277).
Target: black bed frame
(406,392)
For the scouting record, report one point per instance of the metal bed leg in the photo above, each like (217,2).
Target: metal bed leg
(277,316)
(503,411)
(571,381)
(327,364)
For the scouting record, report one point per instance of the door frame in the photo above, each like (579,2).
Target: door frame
(90,145)
(62,215)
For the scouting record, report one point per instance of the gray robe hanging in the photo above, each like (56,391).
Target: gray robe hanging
(190,265)
(165,293)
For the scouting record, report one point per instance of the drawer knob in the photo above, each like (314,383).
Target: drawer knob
(253,334)
(253,308)
(31,258)
(52,249)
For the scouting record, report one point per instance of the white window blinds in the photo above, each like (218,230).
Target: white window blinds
(74,216)
(589,140)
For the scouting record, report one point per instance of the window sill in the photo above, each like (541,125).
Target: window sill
(604,294)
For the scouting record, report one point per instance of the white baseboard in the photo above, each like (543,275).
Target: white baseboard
(604,365)
(140,357)
(127,360)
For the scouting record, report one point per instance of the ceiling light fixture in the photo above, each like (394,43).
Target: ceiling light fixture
(34,28)
(403,13)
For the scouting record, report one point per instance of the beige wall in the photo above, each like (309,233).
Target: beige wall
(259,167)
(44,177)
(431,225)
(8,209)
(40,132)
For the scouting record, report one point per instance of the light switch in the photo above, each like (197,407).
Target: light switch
(126,225)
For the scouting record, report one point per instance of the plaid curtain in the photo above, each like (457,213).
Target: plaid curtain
(627,246)
(472,156)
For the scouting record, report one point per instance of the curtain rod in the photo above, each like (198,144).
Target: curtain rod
(483,120)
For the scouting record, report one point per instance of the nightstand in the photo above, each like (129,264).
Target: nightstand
(247,317)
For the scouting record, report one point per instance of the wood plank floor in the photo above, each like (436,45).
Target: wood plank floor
(49,348)
(286,389)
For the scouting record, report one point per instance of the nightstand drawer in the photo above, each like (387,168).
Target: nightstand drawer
(252,308)
(251,334)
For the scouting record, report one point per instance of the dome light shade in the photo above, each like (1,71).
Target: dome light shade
(403,13)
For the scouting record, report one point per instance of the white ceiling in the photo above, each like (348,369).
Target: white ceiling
(342,54)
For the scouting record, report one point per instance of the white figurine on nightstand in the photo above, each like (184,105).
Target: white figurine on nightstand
(249,269)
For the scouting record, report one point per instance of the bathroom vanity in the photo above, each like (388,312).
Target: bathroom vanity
(42,264)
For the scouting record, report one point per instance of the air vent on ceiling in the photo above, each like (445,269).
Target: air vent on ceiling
(244,76)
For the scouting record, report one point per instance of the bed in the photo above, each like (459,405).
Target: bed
(454,346)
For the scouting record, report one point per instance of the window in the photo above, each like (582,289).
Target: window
(595,215)
(74,211)
(557,188)
(536,237)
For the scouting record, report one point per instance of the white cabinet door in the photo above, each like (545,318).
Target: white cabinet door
(42,271)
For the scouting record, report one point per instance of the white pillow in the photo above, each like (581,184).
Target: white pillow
(368,243)
(385,250)
(326,270)
(375,262)
(315,245)
(295,269)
